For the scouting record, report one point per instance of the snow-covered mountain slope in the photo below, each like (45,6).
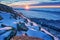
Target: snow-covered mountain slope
(8,20)
(13,20)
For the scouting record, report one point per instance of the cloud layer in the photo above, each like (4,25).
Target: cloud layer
(22,2)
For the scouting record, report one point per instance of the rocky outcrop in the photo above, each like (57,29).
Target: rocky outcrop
(25,38)
(6,8)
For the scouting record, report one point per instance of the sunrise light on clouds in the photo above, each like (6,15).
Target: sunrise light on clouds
(27,3)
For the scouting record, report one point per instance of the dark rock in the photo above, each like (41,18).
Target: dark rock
(21,27)
(1,17)
(6,8)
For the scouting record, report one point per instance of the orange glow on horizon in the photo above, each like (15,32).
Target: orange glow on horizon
(27,7)
(52,6)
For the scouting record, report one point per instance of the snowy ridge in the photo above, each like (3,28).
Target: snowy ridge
(12,18)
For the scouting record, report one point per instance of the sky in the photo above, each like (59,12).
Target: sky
(24,1)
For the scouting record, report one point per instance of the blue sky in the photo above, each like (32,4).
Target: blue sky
(24,1)
(11,1)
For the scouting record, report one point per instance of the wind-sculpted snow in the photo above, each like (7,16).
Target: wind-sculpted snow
(53,26)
